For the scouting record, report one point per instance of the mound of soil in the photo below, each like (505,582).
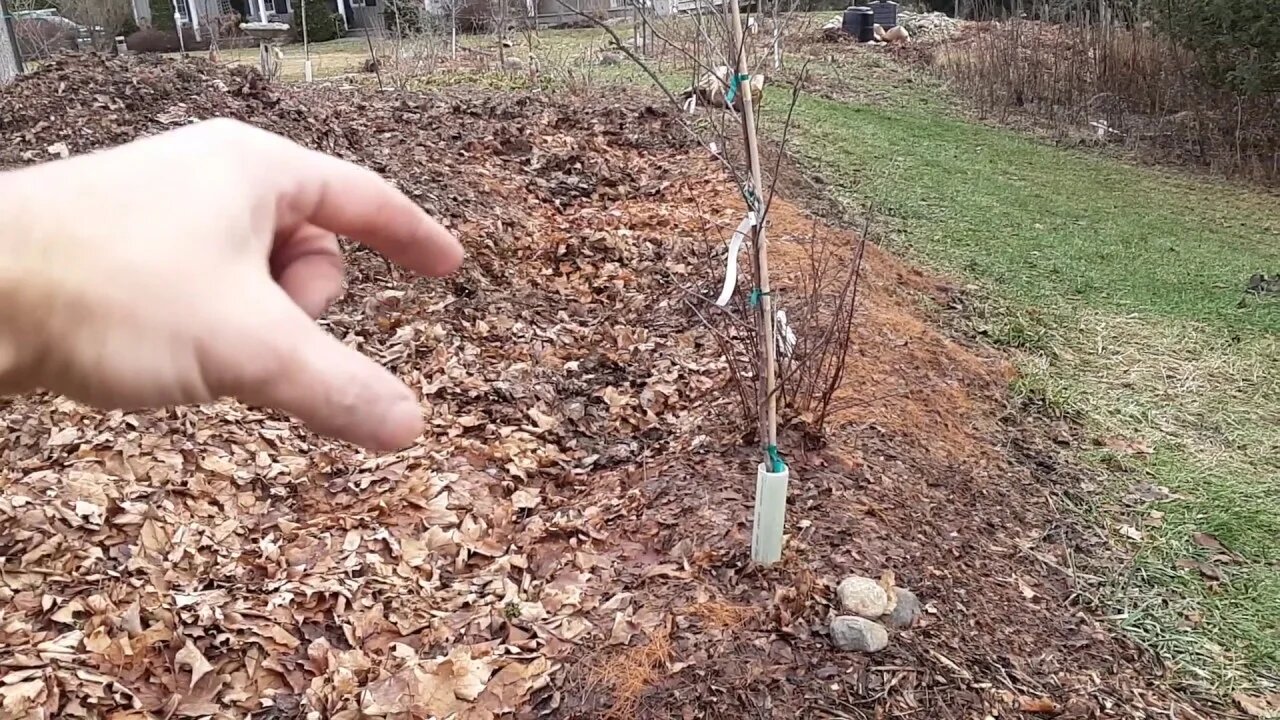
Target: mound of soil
(571,537)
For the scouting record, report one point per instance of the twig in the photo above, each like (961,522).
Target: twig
(373,58)
(625,50)
(725,347)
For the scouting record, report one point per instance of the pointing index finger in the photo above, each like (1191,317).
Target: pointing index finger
(350,200)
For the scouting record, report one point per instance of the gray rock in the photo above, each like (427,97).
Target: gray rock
(858,634)
(905,613)
(611,58)
(862,596)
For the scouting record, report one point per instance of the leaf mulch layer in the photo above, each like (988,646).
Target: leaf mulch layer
(571,537)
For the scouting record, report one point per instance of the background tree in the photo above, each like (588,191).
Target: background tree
(1236,41)
(450,11)
(403,17)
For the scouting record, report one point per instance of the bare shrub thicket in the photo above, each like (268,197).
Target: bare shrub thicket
(1114,78)
(43,36)
(814,345)
(104,18)
(691,46)
(404,57)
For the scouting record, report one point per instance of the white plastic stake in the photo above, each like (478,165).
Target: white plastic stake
(770,514)
(306,44)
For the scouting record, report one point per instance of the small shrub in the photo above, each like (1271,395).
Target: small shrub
(322,25)
(1236,41)
(128,27)
(151,40)
(403,17)
(161,15)
(40,38)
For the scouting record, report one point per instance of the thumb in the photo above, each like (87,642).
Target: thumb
(335,390)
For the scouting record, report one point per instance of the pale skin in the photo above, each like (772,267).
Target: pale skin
(119,290)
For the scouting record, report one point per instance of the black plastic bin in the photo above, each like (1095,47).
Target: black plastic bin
(866,23)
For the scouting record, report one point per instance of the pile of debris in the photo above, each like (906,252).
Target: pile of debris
(218,559)
(833,30)
(931,26)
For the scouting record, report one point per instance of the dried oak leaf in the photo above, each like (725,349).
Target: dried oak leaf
(1128,447)
(510,686)
(543,421)
(1131,532)
(98,641)
(1210,542)
(1038,706)
(388,696)
(1210,572)
(20,697)
(623,629)
(1258,706)
(191,657)
(464,675)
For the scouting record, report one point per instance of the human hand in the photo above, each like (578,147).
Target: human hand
(191,265)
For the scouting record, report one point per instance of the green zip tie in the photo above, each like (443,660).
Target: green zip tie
(776,464)
(754,299)
(733,87)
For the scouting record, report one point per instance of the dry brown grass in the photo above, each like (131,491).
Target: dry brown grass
(1127,86)
(722,615)
(630,671)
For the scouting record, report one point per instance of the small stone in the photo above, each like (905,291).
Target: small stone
(862,596)
(905,613)
(858,634)
(611,58)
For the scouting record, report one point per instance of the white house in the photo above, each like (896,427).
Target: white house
(200,14)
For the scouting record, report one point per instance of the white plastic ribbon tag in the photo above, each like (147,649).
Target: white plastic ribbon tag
(731,268)
(786,336)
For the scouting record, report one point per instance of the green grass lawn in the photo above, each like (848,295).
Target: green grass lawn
(328,59)
(346,56)
(1118,289)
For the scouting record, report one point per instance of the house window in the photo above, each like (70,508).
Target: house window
(281,7)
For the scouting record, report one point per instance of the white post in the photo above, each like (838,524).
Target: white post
(262,11)
(306,42)
(770,514)
(342,11)
(777,37)
(177,25)
(195,20)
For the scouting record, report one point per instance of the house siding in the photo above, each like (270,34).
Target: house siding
(552,12)
(206,10)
